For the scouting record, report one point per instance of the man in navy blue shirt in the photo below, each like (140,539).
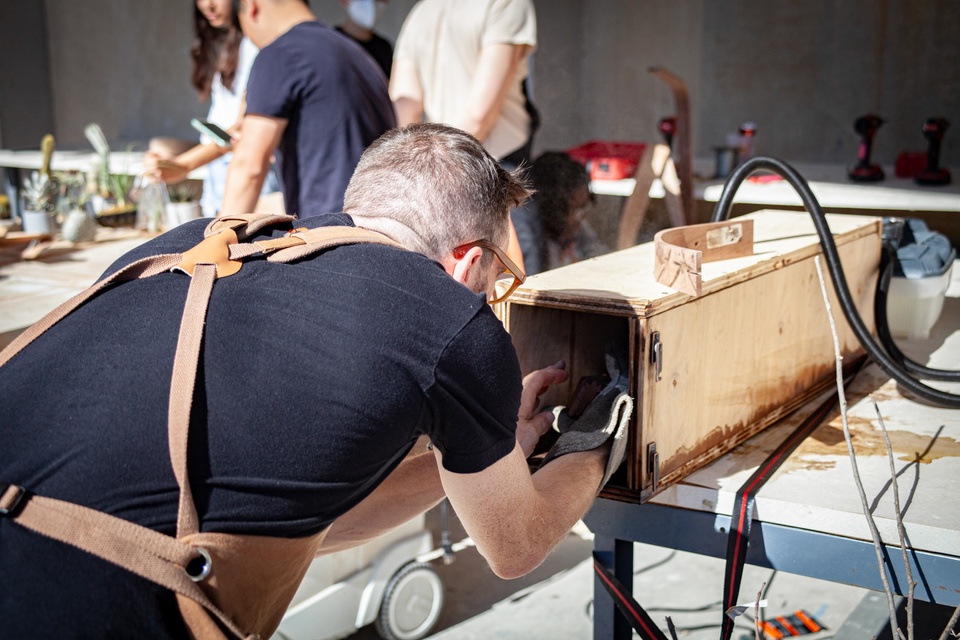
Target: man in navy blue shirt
(312,98)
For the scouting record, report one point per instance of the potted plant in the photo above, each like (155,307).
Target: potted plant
(184,204)
(40,195)
(111,197)
(78,223)
(119,210)
(39,204)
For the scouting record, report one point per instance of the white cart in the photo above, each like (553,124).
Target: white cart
(380,582)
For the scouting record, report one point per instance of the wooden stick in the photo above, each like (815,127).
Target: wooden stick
(911,583)
(948,631)
(874,533)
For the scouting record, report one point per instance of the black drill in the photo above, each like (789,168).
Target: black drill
(933,130)
(866,126)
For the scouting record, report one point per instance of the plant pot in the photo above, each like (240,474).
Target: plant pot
(78,226)
(43,222)
(122,216)
(179,212)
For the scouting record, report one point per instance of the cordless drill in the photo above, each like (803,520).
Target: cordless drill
(667,127)
(933,130)
(866,126)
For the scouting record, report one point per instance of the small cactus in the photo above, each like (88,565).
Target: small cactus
(40,192)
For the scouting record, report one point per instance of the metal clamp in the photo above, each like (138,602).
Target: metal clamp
(656,354)
(653,465)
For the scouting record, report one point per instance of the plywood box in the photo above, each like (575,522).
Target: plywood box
(706,372)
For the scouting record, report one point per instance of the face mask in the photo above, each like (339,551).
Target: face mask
(364,13)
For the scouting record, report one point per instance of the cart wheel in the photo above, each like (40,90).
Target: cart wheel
(411,603)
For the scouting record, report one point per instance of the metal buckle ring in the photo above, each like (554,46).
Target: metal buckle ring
(204,569)
(10,498)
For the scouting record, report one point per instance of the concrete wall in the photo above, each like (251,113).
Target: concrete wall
(803,71)
(25,98)
(122,64)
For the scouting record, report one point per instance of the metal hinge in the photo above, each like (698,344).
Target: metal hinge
(653,465)
(656,354)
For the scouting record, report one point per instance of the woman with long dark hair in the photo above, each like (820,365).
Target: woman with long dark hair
(222,58)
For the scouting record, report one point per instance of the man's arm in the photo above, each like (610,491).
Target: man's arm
(406,93)
(496,70)
(251,161)
(516,519)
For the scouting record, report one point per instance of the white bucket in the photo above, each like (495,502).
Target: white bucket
(914,305)
(38,222)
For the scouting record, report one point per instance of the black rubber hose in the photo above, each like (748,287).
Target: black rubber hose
(883,360)
(883,328)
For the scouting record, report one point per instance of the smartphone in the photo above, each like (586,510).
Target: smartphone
(221,137)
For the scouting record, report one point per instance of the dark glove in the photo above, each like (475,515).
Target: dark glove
(606,417)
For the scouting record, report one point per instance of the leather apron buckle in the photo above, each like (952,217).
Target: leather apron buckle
(213,250)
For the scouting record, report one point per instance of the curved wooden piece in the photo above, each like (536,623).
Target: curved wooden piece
(681,251)
(634,211)
(682,146)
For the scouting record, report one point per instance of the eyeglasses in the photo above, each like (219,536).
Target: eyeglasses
(508,266)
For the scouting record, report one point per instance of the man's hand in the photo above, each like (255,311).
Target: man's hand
(532,424)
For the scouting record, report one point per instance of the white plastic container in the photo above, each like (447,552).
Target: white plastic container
(914,305)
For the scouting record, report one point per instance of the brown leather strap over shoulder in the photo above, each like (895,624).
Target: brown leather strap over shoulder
(316,240)
(246,224)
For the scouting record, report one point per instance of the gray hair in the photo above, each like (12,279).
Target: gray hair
(431,188)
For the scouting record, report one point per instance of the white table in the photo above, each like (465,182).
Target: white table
(938,205)
(828,182)
(121,162)
(808,518)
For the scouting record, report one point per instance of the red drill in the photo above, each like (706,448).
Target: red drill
(866,126)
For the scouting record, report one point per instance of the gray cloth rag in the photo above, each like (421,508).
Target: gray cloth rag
(606,417)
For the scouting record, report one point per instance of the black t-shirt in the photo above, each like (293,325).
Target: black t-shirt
(316,379)
(377,47)
(335,102)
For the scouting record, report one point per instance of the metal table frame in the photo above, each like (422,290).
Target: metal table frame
(617,525)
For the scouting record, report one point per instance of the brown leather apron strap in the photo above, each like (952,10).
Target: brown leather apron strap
(185,365)
(246,224)
(315,240)
(143,268)
(300,244)
(142,551)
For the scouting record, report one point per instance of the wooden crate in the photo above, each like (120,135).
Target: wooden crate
(754,346)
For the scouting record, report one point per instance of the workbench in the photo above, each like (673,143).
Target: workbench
(29,289)
(808,518)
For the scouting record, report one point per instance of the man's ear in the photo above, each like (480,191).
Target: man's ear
(253,9)
(464,270)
